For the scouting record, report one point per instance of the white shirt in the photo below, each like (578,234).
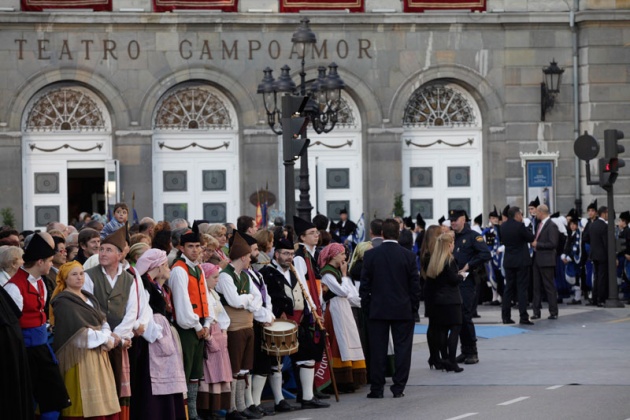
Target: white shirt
(4,278)
(125,328)
(251,302)
(178,282)
(15,294)
(300,264)
(300,267)
(264,314)
(152,331)
(98,338)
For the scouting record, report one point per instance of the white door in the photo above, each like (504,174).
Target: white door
(197,184)
(445,176)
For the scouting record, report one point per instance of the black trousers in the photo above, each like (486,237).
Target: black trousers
(402,335)
(516,280)
(600,285)
(468,336)
(49,390)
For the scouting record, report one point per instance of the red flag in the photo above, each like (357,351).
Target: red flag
(322,371)
(259,217)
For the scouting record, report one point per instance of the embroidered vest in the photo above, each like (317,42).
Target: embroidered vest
(33,314)
(240,318)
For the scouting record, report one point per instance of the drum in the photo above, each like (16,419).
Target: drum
(280,338)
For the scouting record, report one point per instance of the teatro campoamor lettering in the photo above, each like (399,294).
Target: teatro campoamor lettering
(108,49)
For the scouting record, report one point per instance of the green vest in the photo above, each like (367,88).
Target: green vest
(241,282)
(114,300)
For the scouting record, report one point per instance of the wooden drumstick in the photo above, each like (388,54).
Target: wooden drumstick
(313,308)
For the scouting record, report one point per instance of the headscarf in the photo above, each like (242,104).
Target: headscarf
(209,269)
(149,260)
(359,252)
(62,275)
(330,252)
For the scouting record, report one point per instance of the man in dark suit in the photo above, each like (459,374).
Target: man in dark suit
(598,238)
(376,232)
(545,246)
(390,294)
(516,262)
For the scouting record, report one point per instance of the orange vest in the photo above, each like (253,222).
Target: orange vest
(196,288)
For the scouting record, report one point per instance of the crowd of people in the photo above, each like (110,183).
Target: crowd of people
(163,320)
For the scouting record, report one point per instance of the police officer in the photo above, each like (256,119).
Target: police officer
(471,252)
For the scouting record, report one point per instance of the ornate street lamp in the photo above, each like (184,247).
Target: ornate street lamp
(550,87)
(323,100)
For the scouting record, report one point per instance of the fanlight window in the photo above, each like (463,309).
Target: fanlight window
(192,108)
(65,109)
(438,106)
(345,117)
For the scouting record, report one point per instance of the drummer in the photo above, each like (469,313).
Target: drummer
(289,302)
(263,317)
(240,299)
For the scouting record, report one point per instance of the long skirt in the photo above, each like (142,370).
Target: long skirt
(94,397)
(214,390)
(350,374)
(145,405)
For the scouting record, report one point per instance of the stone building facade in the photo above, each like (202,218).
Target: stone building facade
(442,107)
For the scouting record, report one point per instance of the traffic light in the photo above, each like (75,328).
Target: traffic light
(604,173)
(294,141)
(611,154)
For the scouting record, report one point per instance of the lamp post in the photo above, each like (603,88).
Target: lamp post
(550,87)
(323,97)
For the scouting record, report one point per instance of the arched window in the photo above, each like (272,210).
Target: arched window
(192,108)
(65,109)
(437,105)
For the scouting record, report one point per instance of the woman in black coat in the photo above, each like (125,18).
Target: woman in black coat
(443,279)
(428,243)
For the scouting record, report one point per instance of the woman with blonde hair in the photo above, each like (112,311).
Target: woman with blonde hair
(446,301)
(82,339)
(428,243)
(264,238)
(219,232)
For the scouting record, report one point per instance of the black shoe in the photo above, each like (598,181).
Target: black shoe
(314,403)
(508,321)
(574,302)
(461,358)
(284,407)
(262,410)
(250,414)
(471,359)
(476,316)
(435,364)
(399,394)
(234,415)
(452,367)
(552,317)
(320,395)
(375,394)
(495,303)
(525,322)
(535,317)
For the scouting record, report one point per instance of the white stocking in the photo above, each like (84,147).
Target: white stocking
(307,377)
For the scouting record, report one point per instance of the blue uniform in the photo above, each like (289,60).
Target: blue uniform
(471,249)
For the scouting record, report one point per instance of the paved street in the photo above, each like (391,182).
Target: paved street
(576,367)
